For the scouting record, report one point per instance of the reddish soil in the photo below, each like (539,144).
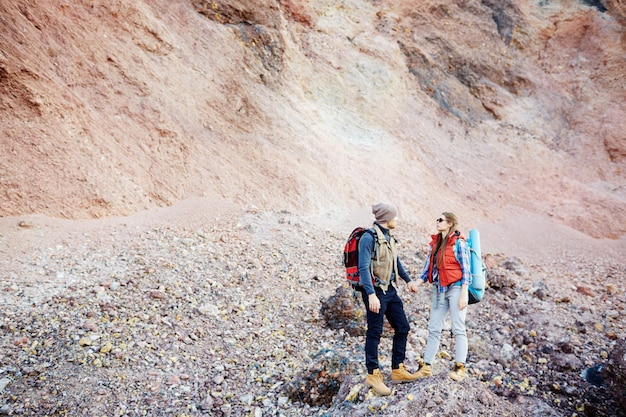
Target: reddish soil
(145,114)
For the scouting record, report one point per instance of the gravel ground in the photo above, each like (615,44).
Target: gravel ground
(216,318)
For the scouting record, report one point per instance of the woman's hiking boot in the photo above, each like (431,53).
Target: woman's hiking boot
(458,373)
(401,375)
(424,370)
(375,380)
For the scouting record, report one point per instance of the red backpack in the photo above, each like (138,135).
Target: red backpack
(351,254)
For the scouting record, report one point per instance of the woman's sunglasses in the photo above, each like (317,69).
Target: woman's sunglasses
(439,220)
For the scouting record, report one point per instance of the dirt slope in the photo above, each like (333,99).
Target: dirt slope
(109,108)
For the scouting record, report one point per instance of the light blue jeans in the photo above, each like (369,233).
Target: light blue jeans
(441,304)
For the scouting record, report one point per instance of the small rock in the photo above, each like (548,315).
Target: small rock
(506,351)
(157,295)
(209,310)
(4,382)
(611,289)
(106,348)
(91,326)
(247,399)
(226,410)
(585,291)
(207,403)
(593,375)
(85,341)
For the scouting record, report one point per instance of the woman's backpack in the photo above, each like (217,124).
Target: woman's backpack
(478,269)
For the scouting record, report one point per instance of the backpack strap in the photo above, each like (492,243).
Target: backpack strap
(472,253)
(376,251)
(456,249)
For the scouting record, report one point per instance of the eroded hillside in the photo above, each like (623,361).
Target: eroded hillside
(109,108)
(267,128)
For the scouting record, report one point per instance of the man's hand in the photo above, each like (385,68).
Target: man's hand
(413,286)
(374,303)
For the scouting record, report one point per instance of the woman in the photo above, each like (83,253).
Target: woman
(448,268)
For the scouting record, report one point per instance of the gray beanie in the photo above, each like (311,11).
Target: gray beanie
(384,212)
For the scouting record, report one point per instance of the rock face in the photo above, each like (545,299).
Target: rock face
(273,104)
(266,126)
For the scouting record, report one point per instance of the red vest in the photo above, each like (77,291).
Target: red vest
(450,272)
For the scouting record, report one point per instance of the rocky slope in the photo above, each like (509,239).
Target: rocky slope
(185,312)
(227,149)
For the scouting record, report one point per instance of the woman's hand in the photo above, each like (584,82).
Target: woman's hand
(413,286)
(464,298)
(374,303)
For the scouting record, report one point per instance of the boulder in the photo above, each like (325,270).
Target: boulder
(614,373)
(345,310)
(320,382)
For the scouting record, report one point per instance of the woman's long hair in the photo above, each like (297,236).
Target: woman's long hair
(443,241)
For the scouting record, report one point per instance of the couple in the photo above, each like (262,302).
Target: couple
(379,270)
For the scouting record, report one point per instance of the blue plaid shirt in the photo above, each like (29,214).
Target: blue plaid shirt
(462,257)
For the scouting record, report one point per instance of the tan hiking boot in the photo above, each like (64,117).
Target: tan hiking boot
(458,373)
(401,375)
(424,371)
(375,380)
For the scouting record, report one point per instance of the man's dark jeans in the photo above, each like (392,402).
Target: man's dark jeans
(391,307)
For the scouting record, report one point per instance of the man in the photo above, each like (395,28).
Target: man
(379,268)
